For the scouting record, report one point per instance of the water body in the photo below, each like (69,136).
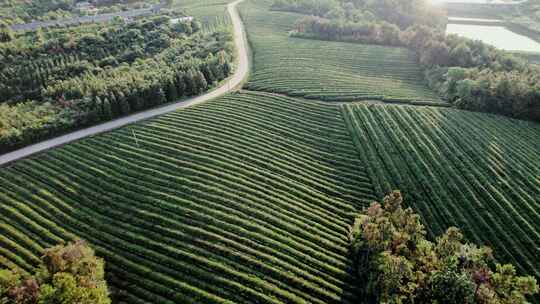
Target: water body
(492,2)
(469,20)
(497,36)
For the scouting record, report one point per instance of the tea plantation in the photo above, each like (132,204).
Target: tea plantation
(330,71)
(248,198)
(474,171)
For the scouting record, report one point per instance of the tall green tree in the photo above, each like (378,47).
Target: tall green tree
(397,264)
(172,92)
(200,82)
(68,274)
(107,111)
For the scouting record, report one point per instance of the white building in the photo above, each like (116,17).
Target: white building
(83,5)
(182,19)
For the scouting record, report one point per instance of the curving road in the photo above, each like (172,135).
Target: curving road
(242,68)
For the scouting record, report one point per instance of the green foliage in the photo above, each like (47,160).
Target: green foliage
(69,274)
(311,7)
(449,286)
(496,82)
(8,280)
(185,213)
(396,264)
(403,13)
(17,11)
(6,34)
(428,152)
(24,122)
(247,198)
(126,64)
(26,11)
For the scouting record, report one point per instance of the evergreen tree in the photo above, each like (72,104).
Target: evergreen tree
(161,98)
(189,81)
(98,106)
(107,111)
(115,105)
(200,82)
(172,93)
(208,74)
(227,69)
(40,37)
(124,106)
(6,33)
(138,103)
(180,85)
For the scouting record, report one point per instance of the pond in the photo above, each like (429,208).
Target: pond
(473,20)
(497,36)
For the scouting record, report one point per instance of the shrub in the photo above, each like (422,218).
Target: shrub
(397,264)
(67,274)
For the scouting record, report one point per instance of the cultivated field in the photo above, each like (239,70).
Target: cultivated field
(331,71)
(475,171)
(206,11)
(245,199)
(248,198)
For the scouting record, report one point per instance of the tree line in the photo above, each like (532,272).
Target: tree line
(470,74)
(402,13)
(84,75)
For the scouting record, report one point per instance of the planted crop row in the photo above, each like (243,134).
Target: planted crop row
(474,171)
(208,12)
(245,199)
(328,71)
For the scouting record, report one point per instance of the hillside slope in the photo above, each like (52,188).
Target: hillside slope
(478,172)
(244,199)
(332,71)
(248,198)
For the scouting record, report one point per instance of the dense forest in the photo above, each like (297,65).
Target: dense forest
(470,74)
(14,11)
(57,79)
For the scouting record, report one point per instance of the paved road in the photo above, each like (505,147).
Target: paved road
(32,26)
(240,74)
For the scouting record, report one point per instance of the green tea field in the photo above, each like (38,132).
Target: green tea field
(250,197)
(206,11)
(330,71)
(474,171)
(246,199)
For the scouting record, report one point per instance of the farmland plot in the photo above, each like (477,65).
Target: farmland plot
(330,71)
(206,11)
(475,171)
(246,199)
